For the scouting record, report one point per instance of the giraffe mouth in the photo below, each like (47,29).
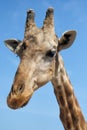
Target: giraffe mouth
(23,105)
(18,102)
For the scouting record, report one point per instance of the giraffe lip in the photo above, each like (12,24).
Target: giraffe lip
(16,102)
(26,102)
(23,105)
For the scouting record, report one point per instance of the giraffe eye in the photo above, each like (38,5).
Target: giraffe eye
(24,46)
(50,53)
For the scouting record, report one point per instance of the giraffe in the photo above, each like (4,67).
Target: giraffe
(40,62)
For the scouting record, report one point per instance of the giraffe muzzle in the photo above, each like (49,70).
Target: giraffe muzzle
(15,102)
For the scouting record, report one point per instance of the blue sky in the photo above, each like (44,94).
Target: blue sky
(42,112)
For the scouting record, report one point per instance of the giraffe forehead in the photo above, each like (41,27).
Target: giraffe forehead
(41,38)
(41,47)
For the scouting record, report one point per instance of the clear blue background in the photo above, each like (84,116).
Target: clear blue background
(42,112)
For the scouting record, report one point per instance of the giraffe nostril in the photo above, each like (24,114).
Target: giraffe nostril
(20,88)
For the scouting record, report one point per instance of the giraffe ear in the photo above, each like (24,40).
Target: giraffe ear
(13,45)
(66,40)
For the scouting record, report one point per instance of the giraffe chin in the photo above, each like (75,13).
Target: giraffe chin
(17,102)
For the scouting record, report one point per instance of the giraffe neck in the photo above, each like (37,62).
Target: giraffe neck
(70,112)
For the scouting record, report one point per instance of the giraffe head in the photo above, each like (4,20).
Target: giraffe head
(37,52)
